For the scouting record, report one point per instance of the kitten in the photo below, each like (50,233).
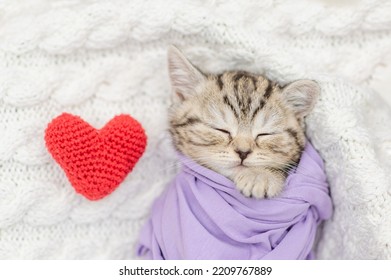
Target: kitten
(239,124)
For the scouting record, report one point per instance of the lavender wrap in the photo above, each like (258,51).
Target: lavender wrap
(201,215)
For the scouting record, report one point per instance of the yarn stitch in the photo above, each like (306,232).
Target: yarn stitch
(95,161)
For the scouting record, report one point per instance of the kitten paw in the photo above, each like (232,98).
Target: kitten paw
(260,185)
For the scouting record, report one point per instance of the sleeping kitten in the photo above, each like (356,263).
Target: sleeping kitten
(238,124)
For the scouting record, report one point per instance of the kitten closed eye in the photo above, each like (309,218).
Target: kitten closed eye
(264,134)
(223,131)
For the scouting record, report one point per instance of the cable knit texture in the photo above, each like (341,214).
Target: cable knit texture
(95,161)
(99,59)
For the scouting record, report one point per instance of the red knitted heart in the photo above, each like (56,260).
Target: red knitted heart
(95,161)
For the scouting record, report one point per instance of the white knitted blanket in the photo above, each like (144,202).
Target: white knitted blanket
(97,59)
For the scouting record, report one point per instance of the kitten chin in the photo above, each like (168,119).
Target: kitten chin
(241,125)
(258,182)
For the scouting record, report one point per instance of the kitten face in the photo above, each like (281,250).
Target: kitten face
(238,124)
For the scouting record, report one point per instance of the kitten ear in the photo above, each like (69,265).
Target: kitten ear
(301,96)
(185,77)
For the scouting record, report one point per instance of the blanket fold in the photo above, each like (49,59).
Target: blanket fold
(201,215)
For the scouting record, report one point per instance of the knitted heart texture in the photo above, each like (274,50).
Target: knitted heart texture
(95,161)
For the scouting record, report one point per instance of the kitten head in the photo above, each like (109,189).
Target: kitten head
(236,120)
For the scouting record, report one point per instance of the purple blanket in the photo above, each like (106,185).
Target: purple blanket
(201,215)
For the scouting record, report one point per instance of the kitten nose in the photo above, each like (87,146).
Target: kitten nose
(243,154)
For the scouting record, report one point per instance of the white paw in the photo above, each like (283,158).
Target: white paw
(259,185)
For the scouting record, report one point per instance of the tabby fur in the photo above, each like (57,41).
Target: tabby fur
(241,125)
